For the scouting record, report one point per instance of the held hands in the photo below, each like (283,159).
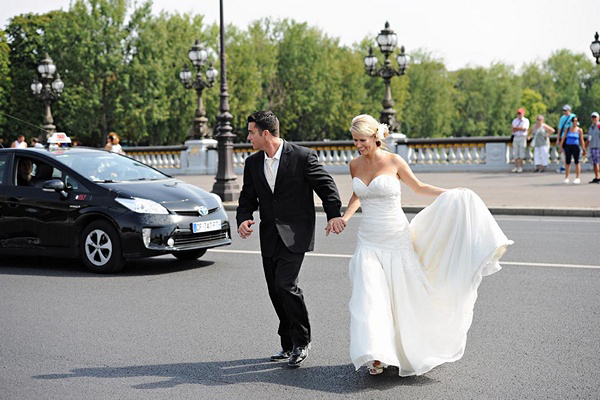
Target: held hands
(244,230)
(335,225)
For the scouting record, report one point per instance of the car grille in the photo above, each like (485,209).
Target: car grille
(196,239)
(194,213)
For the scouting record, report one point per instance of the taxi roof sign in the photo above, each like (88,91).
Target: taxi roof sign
(59,138)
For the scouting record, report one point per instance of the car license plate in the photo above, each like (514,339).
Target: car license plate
(206,226)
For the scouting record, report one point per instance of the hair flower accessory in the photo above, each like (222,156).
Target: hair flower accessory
(381,131)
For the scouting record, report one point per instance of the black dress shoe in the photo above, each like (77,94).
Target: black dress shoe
(281,355)
(298,355)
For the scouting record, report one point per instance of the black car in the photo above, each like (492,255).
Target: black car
(103,207)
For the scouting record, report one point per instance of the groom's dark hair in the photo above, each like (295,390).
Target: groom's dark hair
(265,121)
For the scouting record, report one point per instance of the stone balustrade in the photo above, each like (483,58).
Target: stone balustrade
(168,159)
(436,154)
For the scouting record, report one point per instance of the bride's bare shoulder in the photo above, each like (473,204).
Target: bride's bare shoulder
(356,161)
(397,160)
(355,164)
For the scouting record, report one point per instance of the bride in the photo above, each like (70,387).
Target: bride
(414,285)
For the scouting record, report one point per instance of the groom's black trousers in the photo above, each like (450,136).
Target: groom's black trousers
(281,273)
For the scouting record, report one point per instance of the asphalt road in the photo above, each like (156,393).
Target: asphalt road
(163,329)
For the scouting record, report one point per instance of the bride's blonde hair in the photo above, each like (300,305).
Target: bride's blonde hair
(366,125)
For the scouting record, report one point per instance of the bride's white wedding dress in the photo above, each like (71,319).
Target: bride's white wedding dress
(414,285)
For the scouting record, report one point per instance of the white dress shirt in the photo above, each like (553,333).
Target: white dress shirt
(275,160)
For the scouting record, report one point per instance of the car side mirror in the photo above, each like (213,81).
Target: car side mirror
(55,185)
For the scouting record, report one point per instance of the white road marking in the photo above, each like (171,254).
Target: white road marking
(256,252)
(548,219)
(550,265)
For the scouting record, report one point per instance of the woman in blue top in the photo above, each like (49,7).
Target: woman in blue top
(572,140)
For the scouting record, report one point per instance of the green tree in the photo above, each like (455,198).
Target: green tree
(486,100)
(89,45)
(5,82)
(537,78)
(590,97)
(156,108)
(533,104)
(26,38)
(568,71)
(430,109)
(306,74)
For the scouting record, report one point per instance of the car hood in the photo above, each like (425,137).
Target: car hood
(173,194)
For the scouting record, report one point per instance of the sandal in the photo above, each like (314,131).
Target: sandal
(375,369)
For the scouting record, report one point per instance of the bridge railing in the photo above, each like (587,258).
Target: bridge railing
(165,158)
(437,154)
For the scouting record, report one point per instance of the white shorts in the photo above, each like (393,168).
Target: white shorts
(519,147)
(541,155)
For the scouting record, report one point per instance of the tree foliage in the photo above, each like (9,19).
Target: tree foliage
(120,64)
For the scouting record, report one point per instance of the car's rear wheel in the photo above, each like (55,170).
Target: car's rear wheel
(101,248)
(188,255)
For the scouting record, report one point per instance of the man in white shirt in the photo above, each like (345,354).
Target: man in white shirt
(20,143)
(520,127)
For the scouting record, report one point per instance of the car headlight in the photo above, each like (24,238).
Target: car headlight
(142,206)
(216,196)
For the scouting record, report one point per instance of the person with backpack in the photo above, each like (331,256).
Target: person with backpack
(563,125)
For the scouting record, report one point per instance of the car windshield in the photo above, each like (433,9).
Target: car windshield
(109,167)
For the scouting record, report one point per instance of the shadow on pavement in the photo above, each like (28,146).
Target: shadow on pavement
(69,267)
(334,379)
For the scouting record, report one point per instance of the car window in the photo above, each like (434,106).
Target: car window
(109,167)
(71,183)
(31,172)
(3,160)
(24,170)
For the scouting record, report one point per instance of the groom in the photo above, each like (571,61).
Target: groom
(279,180)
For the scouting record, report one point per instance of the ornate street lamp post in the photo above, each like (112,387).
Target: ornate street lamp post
(387,41)
(47,90)
(225,185)
(198,57)
(595,47)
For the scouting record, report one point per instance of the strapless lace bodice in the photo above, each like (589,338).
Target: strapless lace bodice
(381,187)
(383,223)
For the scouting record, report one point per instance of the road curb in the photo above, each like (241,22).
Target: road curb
(544,212)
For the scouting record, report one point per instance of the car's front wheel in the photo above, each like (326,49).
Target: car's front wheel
(188,255)
(101,248)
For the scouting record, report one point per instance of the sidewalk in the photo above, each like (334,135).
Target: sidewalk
(526,193)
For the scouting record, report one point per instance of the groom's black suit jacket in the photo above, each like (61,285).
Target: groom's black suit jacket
(289,212)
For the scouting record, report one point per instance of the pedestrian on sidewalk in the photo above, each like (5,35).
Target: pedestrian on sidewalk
(594,146)
(563,125)
(35,143)
(520,126)
(572,139)
(20,143)
(541,143)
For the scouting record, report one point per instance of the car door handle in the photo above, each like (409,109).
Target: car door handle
(12,202)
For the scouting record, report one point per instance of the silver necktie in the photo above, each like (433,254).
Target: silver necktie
(271,172)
